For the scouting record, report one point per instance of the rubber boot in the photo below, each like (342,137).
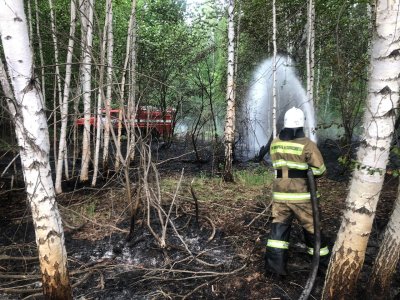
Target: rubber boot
(325,252)
(276,255)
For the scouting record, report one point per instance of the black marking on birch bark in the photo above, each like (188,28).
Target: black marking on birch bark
(52,233)
(394,53)
(385,91)
(364,211)
(44,199)
(17,19)
(46,258)
(43,217)
(8,37)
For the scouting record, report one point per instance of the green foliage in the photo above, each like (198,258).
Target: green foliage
(182,55)
(353,164)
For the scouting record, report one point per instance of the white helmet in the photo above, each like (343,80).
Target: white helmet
(294,118)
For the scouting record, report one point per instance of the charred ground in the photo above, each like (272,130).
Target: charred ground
(218,255)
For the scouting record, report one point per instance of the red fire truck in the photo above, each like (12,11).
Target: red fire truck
(148,118)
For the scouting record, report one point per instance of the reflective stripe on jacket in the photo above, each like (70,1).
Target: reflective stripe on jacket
(297,154)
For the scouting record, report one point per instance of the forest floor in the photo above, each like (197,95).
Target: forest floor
(217,255)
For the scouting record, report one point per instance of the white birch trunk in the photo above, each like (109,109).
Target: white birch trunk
(274,130)
(30,22)
(132,91)
(57,74)
(99,127)
(87,27)
(110,50)
(62,150)
(383,95)
(123,78)
(388,256)
(31,129)
(310,50)
(229,134)
(43,81)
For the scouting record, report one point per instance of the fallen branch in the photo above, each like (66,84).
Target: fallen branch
(260,214)
(198,287)
(6,257)
(94,222)
(196,202)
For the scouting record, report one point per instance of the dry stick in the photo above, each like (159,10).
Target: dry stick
(9,165)
(214,230)
(74,285)
(16,276)
(260,214)
(6,257)
(145,173)
(199,287)
(164,230)
(196,202)
(94,222)
(158,198)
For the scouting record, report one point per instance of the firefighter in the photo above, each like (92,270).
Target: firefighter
(292,154)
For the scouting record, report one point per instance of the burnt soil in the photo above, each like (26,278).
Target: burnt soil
(218,255)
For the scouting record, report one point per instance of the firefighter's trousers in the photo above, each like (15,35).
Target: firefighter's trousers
(276,254)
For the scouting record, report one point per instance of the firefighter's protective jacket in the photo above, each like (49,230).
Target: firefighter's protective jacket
(291,159)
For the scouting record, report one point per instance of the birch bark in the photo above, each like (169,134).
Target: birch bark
(230,110)
(383,94)
(26,106)
(388,256)
(274,130)
(100,95)
(62,150)
(132,91)
(57,88)
(107,104)
(43,80)
(86,13)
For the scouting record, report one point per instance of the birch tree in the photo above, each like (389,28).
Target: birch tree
(62,150)
(388,256)
(128,56)
(383,92)
(107,104)
(274,130)
(57,86)
(132,91)
(310,50)
(100,95)
(86,14)
(42,71)
(25,104)
(229,134)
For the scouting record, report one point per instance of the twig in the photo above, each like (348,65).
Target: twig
(214,230)
(196,202)
(19,276)
(6,257)
(11,162)
(260,214)
(94,222)
(164,231)
(199,287)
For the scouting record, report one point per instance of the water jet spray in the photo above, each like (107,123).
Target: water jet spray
(255,128)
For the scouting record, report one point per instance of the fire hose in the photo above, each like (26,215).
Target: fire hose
(317,237)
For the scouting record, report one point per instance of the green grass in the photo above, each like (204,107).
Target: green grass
(254,177)
(249,184)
